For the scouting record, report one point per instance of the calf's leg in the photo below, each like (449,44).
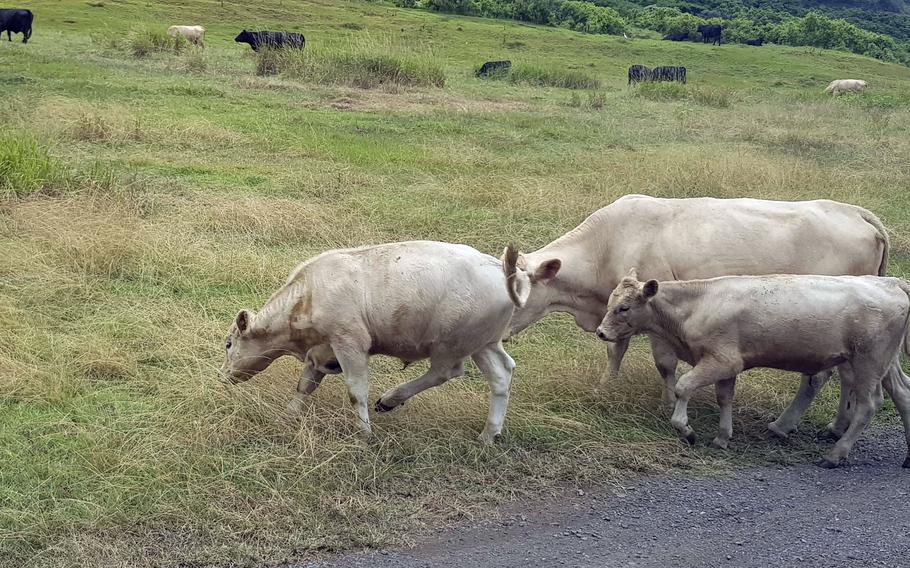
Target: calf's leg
(440,371)
(898,386)
(497,366)
(861,379)
(309,381)
(724,391)
(615,352)
(355,366)
(666,361)
(809,385)
(706,372)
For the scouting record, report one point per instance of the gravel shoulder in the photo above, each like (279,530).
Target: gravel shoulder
(857,515)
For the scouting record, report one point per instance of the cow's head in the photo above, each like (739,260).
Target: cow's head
(532,281)
(244,37)
(247,350)
(627,308)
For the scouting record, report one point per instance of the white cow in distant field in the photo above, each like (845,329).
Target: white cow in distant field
(411,300)
(807,324)
(846,86)
(193,34)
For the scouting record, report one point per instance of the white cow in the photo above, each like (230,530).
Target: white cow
(193,34)
(808,324)
(696,238)
(839,86)
(411,300)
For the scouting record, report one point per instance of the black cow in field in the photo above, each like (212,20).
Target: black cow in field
(669,74)
(494,68)
(677,37)
(16,22)
(271,40)
(711,33)
(638,74)
(755,42)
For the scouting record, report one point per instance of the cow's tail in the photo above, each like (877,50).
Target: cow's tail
(829,88)
(518,283)
(905,347)
(882,237)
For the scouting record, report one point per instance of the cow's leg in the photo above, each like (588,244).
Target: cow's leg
(724,391)
(309,381)
(356,368)
(615,351)
(706,372)
(845,407)
(666,361)
(898,386)
(809,385)
(440,371)
(861,380)
(497,366)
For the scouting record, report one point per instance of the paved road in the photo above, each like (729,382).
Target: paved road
(858,515)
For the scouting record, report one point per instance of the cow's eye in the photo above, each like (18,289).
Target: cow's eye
(227,345)
(622,309)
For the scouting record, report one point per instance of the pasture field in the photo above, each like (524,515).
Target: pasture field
(144,200)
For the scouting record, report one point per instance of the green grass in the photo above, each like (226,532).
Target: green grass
(192,190)
(537,76)
(25,166)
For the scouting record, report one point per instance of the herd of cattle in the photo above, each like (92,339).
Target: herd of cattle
(725,285)
(20,21)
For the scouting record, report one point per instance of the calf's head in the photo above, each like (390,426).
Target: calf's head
(247,351)
(627,309)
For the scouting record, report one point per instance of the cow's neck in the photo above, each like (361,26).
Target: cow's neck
(670,308)
(579,288)
(284,320)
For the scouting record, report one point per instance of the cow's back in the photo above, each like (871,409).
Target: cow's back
(786,321)
(685,239)
(415,294)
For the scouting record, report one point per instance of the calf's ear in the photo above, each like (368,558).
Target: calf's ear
(242,321)
(649,289)
(547,270)
(633,274)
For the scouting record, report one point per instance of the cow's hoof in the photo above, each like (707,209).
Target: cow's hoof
(720,443)
(830,433)
(487,439)
(907,462)
(382,407)
(827,464)
(688,436)
(777,431)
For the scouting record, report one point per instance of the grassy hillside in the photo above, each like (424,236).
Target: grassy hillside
(145,200)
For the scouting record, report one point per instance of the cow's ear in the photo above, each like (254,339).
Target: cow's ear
(649,289)
(242,321)
(547,270)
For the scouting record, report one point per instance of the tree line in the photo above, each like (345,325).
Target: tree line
(814,29)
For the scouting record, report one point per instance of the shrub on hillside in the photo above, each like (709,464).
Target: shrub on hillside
(588,18)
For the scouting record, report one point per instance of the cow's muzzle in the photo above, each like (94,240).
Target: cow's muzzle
(603,336)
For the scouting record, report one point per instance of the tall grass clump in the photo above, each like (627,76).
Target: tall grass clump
(144,42)
(363,64)
(552,77)
(25,166)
